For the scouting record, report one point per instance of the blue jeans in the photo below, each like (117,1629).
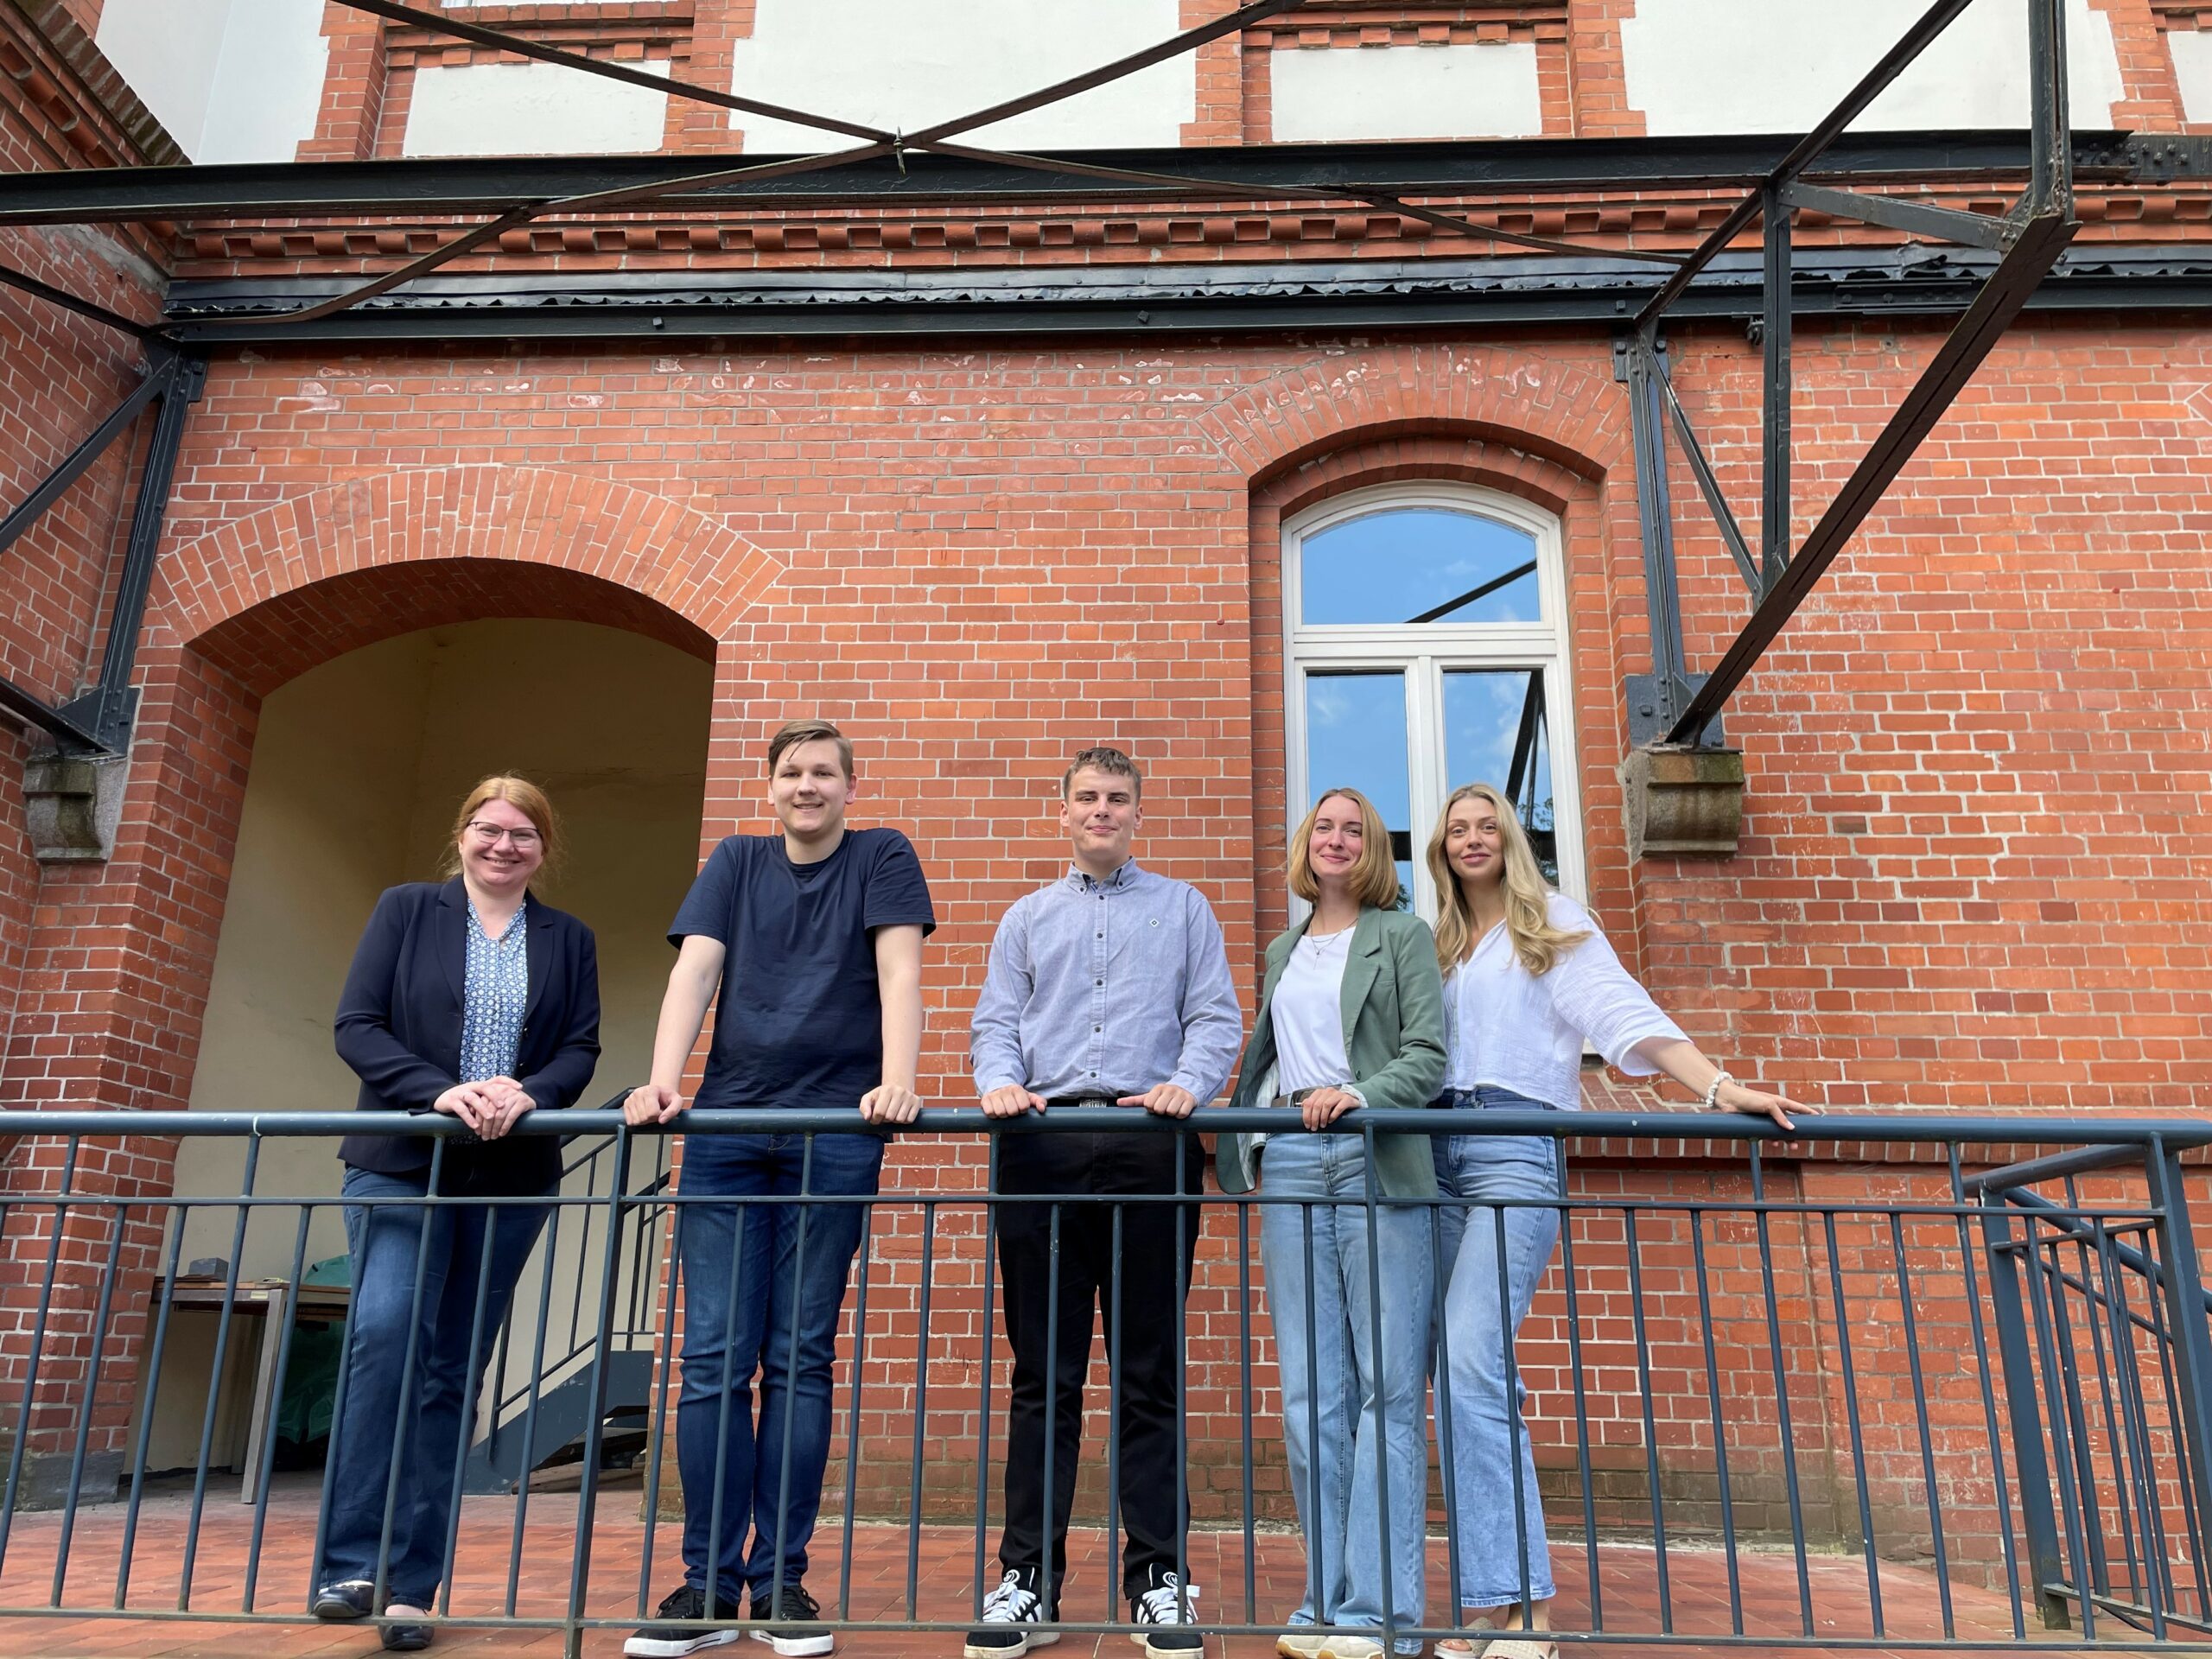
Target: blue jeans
(1334,1387)
(423,1424)
(761,1283)
(1505,1558)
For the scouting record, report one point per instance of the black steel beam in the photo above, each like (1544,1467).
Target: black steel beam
(1372,295)
(68,302)
(1708,483)
(384,190)
(1901,213)
(2002,299)
(50,490)
(108,708)
(35,714)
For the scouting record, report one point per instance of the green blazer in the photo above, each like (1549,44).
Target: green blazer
(1394,1038)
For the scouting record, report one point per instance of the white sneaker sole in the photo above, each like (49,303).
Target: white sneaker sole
(638,1647)
(1035,1639)
(797,1647)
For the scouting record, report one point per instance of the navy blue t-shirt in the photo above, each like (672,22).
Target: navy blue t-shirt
(800,1020)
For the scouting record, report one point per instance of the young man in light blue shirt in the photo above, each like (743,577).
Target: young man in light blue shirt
(1108,987)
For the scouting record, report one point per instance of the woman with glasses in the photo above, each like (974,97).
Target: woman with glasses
(473,999)
(1527,979)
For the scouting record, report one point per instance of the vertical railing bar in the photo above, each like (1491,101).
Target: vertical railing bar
(427,1212)
(153,1376)
(664,1335)
(991,1177)
(2153,1250)
(2157,1587)
(1316,1572)
(1370,1183)
(1720,1424)
(1183,1243)
(1439,1278)
(922,1407)
(1516,1430)
(1244,1380)
(1113,1574)
(2047,1266)
(853,1408)
(1851,1418)
(791,1374)
(595,1423)
(276,1394)
(2185,1317)
(1920,1416)
(2061,1459)
(24,1429)
(528,1464)
(1650,1425)
(1785,1427)
(223,1321)
(721,1413)
(460,1448)
(1988,1392)
(91,1403)
(1581,1414)
(2123,1473)
(502,1397)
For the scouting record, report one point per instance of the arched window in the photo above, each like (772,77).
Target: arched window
(1427,648)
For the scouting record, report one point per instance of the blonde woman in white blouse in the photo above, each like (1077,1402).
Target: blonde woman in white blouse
(1528,979)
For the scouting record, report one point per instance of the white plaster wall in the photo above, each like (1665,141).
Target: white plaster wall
(358,766)
(1405,92)
(2193,68)
(531,109)
(1776,66)
(904,64)
(232,80)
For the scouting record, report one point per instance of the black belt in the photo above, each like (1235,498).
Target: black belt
(1100,1099)
(1296,1097)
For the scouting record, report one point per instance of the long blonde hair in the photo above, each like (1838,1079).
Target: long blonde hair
(1528,918)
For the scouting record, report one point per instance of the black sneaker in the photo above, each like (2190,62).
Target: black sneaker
(791,1602)
(1014,1603)
(665,1641)
(1165,1613)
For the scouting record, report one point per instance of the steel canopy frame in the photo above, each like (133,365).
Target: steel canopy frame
(1670,705)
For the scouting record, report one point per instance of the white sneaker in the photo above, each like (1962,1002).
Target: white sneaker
(1014,1602)
(1165,1613)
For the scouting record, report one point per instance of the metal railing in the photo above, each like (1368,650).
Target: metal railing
(1774,1402)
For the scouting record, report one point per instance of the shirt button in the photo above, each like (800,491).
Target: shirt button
(1098,1027)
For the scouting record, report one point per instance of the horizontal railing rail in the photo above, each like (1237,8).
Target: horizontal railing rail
(1876,1399)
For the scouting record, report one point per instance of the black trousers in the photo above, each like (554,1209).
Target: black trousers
(1054,1341)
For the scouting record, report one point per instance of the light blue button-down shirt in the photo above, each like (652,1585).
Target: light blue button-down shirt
(1108,987)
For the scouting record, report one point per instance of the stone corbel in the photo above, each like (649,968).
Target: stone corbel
(1683,803)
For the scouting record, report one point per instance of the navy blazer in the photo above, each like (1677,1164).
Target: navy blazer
(400,1027)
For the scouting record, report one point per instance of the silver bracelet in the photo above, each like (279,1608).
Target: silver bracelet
(1712,1089)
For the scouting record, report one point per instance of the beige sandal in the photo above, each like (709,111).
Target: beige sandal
(1520,1647)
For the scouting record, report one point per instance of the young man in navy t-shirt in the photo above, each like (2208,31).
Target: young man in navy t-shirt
(810,944)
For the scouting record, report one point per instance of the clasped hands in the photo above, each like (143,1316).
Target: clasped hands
(490,1106)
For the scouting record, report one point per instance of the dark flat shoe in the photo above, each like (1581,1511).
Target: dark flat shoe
(408,1638)
(346,1599)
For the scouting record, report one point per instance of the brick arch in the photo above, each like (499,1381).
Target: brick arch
(268,595)
(1514,398)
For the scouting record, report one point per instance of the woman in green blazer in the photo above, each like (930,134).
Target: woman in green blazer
(1352,1014)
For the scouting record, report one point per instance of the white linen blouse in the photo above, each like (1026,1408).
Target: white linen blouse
(1308,1015)
(1512,1029)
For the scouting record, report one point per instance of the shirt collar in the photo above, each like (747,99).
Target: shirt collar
(1083,881)
(514,928)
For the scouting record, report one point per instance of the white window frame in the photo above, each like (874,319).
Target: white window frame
(1424,653)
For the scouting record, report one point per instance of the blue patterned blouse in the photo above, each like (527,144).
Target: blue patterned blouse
(494,997)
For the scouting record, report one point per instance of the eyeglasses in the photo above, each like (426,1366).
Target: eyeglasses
(490,835)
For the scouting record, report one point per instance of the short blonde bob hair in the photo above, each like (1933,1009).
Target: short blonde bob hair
(1374,878)
(526,798)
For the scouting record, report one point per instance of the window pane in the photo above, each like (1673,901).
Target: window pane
(1419,564)
(1356,739)
(1494,733)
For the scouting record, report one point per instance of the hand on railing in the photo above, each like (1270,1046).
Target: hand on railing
(650,1105)
(1324,1106)
(890,1102)
(1012,1101)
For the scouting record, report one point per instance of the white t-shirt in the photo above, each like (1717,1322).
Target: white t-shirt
(1308,1015)
(1513,1029)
